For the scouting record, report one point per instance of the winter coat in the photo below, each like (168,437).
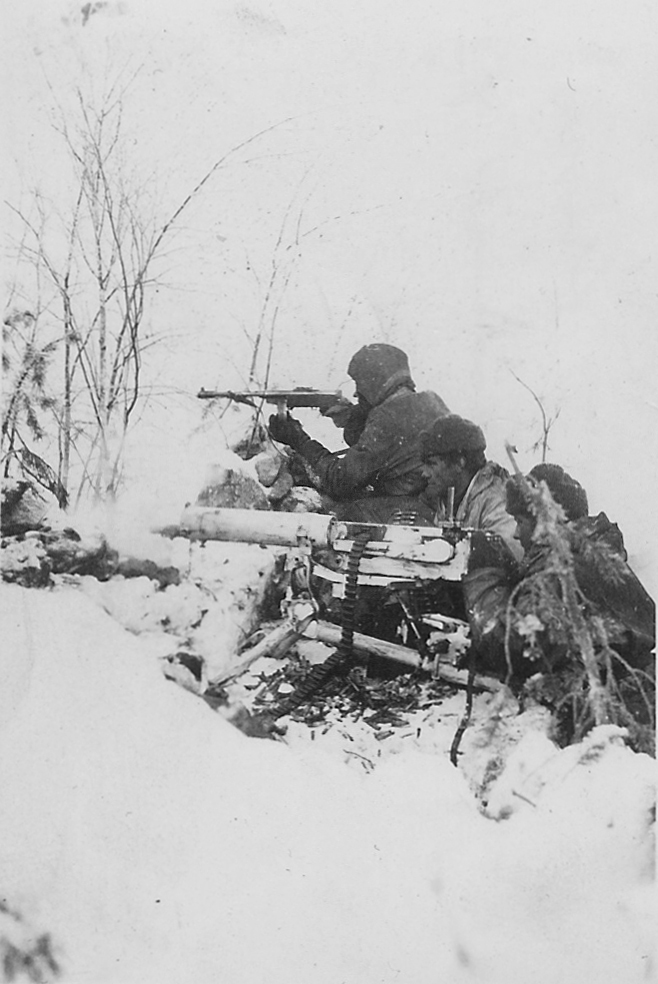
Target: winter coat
(483,506)
(385,462)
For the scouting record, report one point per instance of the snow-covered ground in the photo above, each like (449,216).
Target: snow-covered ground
(156,842)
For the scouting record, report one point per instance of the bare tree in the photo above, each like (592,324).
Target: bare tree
(99,258)
(98,261)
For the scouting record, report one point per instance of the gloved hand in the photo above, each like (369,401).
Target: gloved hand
(287,430)
(351,417)
(340,412)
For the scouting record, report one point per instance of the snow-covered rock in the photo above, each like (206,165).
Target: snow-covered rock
(232,484)
(24,507)
(268,464)
(303,499)
(24,561)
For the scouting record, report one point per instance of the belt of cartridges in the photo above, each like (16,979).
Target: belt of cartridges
(319,674)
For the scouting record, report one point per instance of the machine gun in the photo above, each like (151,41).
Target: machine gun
(392,552)
(405,560)
(284,400)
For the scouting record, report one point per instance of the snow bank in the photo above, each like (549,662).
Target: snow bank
(211,612)
(563,890)
(157,843)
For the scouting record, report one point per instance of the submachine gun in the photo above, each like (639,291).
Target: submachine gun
(283,399)
(406,563)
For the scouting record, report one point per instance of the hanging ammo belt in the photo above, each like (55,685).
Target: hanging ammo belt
(321,673)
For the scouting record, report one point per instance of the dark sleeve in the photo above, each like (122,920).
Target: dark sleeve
(487,591)
(343,475)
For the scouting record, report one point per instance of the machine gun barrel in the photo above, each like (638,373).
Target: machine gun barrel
(284,400)
(255,526)
(393,553)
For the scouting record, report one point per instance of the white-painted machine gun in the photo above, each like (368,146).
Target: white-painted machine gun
(405,562)
(391,553)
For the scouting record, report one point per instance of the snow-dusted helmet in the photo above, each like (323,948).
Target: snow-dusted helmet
(378,370)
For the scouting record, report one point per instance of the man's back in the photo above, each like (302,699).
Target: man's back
(389,442)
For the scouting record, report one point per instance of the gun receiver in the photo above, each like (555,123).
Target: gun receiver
(284,400)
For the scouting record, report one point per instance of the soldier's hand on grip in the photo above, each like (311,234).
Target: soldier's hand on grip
(286,430)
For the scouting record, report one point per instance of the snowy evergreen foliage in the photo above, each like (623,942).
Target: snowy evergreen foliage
(584,676)
(25,365)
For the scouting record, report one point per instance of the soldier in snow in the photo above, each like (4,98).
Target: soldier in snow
(573,599)
(454,459)
(380,474)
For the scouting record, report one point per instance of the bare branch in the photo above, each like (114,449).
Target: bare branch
(547,422)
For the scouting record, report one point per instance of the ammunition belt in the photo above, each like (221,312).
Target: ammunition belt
(321,673)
